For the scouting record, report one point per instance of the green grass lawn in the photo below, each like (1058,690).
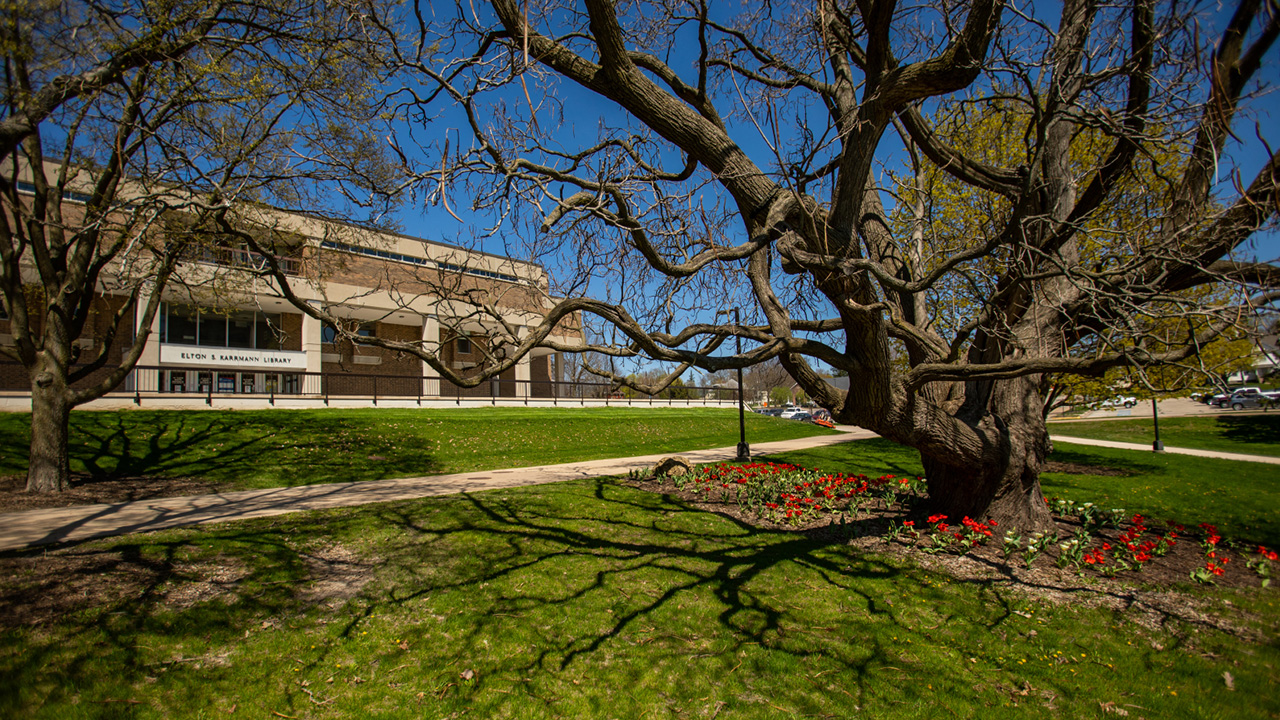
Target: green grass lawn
(273,448)
(585,599)
(1241,498)
(591,599)
(1255,434)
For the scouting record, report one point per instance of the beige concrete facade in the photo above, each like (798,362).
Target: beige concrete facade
(226,329)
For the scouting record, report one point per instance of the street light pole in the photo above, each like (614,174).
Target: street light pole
(744,450)
(1156,446)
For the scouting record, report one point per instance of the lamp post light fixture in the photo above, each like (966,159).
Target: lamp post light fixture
(744,450)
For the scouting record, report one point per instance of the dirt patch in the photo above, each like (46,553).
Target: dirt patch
(38,587)
(194,583)
(335,575)
(89,490)
(1150,597)
(1069,468)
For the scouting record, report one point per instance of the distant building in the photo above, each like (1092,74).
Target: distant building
(224,331)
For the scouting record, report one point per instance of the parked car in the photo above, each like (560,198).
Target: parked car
(1128,401)
(793,414)
(1251,398)
(1224,399)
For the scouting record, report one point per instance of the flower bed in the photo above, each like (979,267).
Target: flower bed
(1088,539)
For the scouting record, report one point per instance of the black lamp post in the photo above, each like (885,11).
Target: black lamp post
(744,450)
(1156,446)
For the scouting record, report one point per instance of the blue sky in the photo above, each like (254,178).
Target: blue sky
(1242,160)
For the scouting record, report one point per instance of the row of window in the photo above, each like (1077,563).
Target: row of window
(329,335)
(30,189)
(415,260)
(186,325)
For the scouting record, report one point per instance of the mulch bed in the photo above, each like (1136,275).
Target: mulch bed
(90,490)
(1151,597)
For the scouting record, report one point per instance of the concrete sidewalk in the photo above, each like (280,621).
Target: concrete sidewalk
(84,522)
(1171,450)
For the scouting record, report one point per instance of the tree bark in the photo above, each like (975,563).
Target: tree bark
(49,469)
(1004,485)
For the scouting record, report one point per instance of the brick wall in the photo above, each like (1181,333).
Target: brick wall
(399,373)
(410,280)
(291,326)
(13,376)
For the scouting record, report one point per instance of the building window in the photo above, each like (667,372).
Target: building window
(329,334)
(464,346)
(213,331)
(178,325)
(183,325)
(240,331)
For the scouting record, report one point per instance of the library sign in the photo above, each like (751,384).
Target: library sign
(233,357)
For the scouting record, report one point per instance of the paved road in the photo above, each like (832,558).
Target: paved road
(1173,407)
(84,522)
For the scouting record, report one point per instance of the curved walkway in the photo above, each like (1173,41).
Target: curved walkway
(84,522)
(1171,450)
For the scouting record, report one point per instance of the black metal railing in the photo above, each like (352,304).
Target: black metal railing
(210,383)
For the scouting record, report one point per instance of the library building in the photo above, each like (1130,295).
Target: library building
(224,336)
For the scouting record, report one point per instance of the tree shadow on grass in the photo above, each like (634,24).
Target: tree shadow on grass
(283,448)
(630,540)
(643,569)
(1247,429)
(230,450)
(76,619)
(872,457)
(1074,455)
(581,572)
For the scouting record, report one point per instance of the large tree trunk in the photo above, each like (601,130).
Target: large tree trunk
(48,469)
(1005,484)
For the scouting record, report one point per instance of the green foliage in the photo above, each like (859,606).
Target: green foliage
(951,216)
(779,395)
(677,391)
